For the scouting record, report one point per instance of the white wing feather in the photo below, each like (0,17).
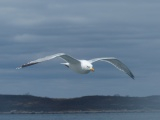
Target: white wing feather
(117,63)
(65,57)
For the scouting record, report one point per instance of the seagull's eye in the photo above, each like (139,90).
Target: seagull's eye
(87,66)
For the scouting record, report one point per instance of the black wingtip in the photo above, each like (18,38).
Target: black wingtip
(132,76)
(26,65)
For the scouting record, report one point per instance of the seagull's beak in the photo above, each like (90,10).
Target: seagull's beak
(92,69)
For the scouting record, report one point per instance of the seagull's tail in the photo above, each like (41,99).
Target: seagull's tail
(66,64)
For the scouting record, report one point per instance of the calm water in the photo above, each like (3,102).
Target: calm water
(89,116)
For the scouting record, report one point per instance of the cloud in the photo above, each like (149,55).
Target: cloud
(128,30)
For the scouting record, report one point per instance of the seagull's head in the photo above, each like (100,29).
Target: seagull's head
(86,65)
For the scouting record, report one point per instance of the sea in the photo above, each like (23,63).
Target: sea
(83,116)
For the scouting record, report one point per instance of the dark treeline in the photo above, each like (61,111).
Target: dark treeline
(28,103)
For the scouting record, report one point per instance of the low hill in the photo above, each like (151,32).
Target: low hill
(33,104)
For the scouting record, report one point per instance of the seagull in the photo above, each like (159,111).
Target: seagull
(81,66)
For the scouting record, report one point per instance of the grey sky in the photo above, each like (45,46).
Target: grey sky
(127,29)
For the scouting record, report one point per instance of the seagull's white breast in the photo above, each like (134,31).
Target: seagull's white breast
(80,68)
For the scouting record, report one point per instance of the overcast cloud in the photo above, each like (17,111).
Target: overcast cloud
(128,30)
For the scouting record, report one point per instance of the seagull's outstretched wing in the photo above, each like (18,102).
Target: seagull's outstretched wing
(65,57)
(117,63)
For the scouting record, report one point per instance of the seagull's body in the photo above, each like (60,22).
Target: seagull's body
(82,66)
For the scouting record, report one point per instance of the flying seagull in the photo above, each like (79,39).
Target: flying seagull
(82,66)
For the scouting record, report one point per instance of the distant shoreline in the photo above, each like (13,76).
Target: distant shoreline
(27,104)
(82,112)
